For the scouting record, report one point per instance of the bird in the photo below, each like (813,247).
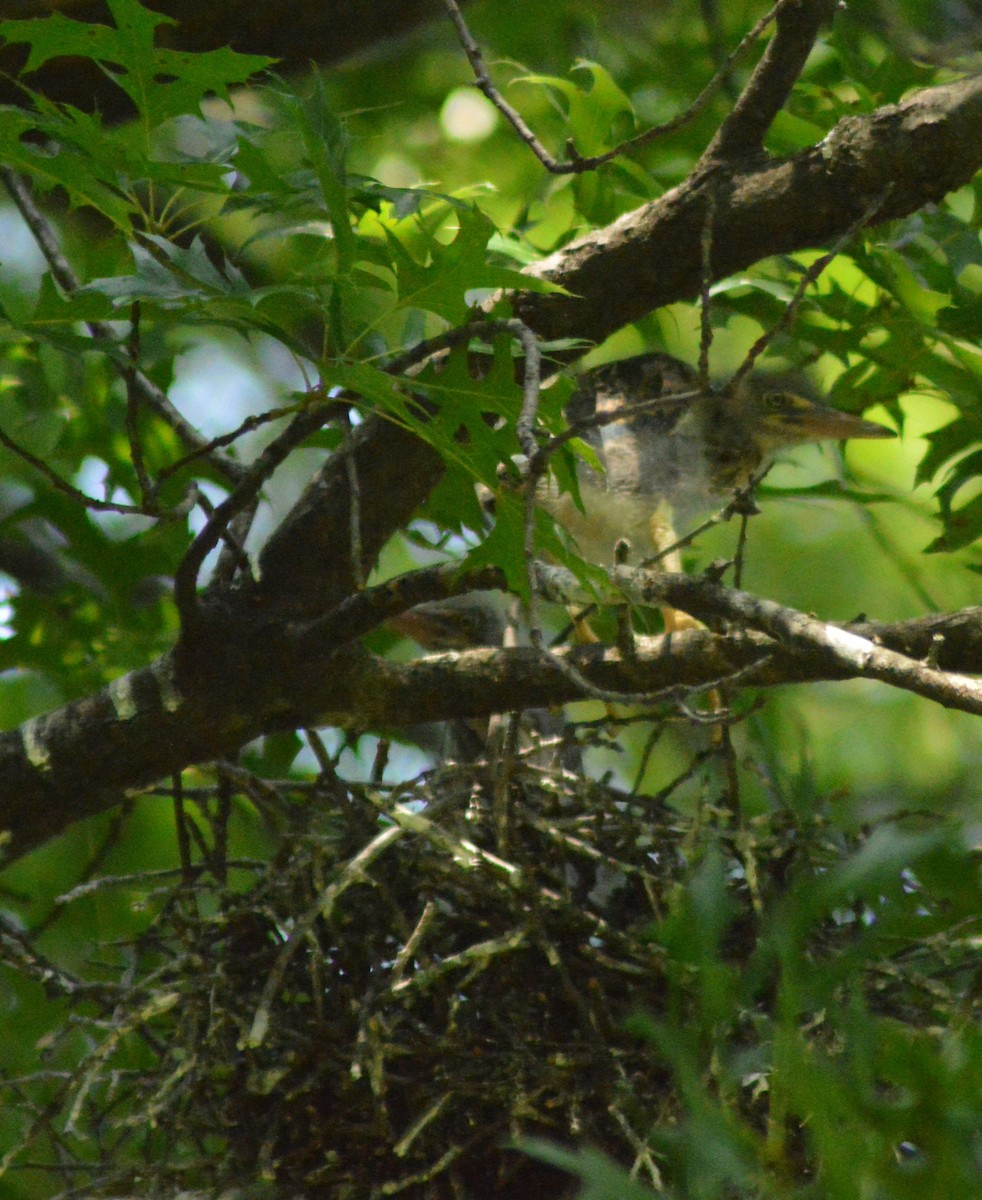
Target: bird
(464,622)
(670,449)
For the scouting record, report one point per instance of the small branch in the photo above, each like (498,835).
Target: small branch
(626,412)
(855,655)
(249,425)
(241,496)
(148,491)
(577,164)
(742,504)
(233,556)
(62,485)
(101,331)
(808,277)
(743,131)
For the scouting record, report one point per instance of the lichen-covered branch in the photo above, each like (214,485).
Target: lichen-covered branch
(249,677)
(915,152)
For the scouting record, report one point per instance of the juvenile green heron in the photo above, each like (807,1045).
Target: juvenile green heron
(677,451)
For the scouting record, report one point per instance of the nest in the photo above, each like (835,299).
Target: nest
(429,980)
(416,983)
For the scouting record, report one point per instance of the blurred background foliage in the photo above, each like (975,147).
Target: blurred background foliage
(307,233)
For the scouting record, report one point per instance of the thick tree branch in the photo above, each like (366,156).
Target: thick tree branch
(743,131)
(914,152)
(251,676)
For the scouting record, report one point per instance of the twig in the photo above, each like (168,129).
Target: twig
(62,485)
(249,425)
(740,502)
(246,488)
(181,829)
(411,946)
(626,412)
(101,331)
(233,557)
(148,491)
(577,164)
(808,277)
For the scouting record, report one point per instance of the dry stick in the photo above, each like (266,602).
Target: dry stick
(148,490)
(706,248)
(62,485)
(354,871)
(577,163)
(804,283)
(103,332)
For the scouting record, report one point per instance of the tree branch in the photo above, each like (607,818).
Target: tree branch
(916,152)
(255,676)
(743,131)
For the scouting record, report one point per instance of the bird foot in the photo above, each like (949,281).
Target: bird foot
(677,621)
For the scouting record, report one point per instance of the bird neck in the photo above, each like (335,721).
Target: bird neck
(732,453)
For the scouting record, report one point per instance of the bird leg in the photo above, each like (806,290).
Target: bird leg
(663,535)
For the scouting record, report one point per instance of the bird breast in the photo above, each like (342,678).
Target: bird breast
(610,517)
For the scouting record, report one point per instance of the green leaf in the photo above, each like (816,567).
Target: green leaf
(962,522)
(443,277)
(63,162)
(190,269)
(600,115)
(161,83)
(890,269)
(601,1177)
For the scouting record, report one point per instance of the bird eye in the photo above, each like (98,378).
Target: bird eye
(778,402)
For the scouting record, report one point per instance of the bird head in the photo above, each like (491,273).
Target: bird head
(778,420)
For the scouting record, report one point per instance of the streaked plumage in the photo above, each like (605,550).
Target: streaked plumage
(681,456)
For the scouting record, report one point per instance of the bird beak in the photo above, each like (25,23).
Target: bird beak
(818,423)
